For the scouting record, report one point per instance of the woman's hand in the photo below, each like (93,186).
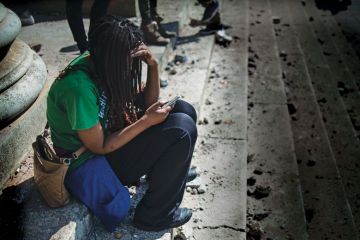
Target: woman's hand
(144,53)
(155,114)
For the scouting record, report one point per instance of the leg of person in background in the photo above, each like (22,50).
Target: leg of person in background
(153,11)
(98,9)
(155,17)
(75,20)
(149,26)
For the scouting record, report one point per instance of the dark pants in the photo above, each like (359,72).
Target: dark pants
(147,11)
(75,19)
(163,152)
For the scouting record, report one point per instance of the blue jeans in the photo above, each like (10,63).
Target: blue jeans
(162,152)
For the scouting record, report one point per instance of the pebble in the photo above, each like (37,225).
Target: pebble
(251,181)
(217,121)
(208,102)
(258,171)
(194,191)
(276,20)
(118,235)
(188,189)
(201,190)
(173,71)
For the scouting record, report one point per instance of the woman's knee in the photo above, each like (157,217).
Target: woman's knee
(182,106)
(184,123)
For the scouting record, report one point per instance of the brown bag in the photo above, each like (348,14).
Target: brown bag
(49,173)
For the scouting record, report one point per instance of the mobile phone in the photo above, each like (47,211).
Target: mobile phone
(171,102)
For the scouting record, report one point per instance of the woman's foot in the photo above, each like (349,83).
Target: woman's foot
(181,216)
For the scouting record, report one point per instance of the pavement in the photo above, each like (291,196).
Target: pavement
(278,121)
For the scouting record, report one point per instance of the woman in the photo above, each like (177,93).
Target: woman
(98,102)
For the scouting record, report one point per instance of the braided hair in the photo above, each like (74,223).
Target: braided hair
(118,75)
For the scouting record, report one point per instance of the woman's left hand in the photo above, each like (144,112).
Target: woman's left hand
(143,52)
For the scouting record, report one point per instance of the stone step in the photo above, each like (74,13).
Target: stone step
(220,153)
(275,201)
(337,62)
(308,80)
(346,82)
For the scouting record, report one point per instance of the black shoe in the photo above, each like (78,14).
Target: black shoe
(192,174)
(181,216)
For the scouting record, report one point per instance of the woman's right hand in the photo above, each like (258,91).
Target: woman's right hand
(155,114)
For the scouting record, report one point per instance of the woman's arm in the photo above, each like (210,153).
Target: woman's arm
(152,88)
(94,138)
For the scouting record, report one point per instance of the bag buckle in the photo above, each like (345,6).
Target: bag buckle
(65,161)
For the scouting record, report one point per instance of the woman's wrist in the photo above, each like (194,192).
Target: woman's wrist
(152,63)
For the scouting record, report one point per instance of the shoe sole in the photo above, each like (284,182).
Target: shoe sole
(159,229)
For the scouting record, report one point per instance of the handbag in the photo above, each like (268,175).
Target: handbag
(50,171)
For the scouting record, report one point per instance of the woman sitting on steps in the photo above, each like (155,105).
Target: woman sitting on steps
(99,102)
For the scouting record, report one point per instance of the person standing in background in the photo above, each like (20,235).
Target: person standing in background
(75,19)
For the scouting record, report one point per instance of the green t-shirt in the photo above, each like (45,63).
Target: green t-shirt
(74,103)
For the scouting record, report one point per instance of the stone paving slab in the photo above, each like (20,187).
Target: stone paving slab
(272,166)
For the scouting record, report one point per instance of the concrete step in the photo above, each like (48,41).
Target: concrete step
(220,212)
(308,79)
(337,62)
(348,159)
(274,202)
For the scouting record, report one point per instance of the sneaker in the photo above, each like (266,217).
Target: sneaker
(152,35)
(166,34)
(181,216)
(192,174)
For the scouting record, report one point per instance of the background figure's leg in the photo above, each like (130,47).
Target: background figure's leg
(75,20)
(153,10)
(98,9)
(145,12)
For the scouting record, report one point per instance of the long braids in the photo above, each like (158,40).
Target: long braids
(111,40)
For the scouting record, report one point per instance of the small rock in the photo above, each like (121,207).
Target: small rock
(201,190)
(188,189)
(205,121)
(208,102)
(311,163)
(291,108)
(276,20)
(253,231)
(118,234)
(260,192)
(260,216)
(180,59)
(172,71)
(283,53)
(163,83)
(258,171)
(217,121)
(251,181)
(194,191)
